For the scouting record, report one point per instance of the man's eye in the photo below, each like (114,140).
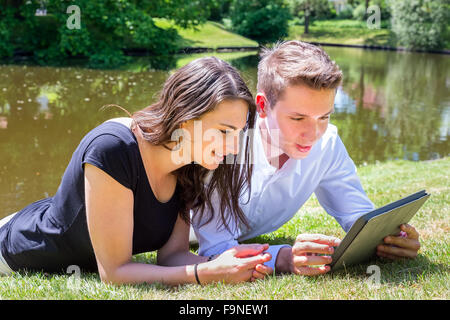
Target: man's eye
(297,119)
(326,118)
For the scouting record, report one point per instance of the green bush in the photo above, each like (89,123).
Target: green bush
(265,21)
(359,12)
(420,24)
(6,47)
(346,13)
(107,27)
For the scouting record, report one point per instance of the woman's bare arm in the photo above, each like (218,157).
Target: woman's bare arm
(109,210)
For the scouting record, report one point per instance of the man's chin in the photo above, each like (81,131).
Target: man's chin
(297,155)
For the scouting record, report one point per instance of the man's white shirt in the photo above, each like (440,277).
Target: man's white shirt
(277,195)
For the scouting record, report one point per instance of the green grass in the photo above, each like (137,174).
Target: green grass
(208,35)
(426,277)
(348,32)
(184,59)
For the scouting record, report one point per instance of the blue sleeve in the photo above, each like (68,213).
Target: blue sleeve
(112,155)
(340,192)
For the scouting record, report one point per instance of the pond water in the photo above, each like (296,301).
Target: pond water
(392,105)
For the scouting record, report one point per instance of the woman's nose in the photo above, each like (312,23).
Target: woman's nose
(232,145)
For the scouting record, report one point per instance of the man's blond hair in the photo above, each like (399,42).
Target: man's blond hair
(295,63)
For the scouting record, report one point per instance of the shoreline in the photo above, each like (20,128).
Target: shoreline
(190,50)
(372,47)
(136,52)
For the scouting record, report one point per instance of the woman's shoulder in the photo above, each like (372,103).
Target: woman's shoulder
(113,131)
(112,147)
(124,120)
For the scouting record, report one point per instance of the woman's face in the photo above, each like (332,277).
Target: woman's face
(208,139)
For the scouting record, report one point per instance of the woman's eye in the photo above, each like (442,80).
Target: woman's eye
(297,119)
(226,132)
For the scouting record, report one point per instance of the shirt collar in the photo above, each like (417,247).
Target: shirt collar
(261,161)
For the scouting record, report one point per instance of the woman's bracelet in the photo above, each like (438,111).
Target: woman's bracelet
(196,273)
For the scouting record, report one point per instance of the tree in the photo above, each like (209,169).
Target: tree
(420,24)
(264,21)
(309,7)
(105,29)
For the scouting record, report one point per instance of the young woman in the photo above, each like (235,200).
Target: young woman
(129,188)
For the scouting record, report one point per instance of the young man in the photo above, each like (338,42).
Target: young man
(296,153)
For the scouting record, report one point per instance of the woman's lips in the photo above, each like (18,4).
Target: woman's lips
(303,148)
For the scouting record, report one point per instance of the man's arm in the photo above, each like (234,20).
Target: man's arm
(340,191)
(341,194)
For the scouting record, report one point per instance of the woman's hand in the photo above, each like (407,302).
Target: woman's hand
(234,265)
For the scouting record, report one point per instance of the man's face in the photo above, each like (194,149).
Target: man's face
(298,119)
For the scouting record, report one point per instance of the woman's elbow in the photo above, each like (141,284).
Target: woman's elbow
(110,276)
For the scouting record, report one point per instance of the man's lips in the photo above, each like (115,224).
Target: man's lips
(303,148)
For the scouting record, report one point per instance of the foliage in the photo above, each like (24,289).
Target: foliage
(420,23)
(359,12)
(264,21)
(346,12)
(310,9)
(106,28)
(320,9)
(220,10)
(184,13)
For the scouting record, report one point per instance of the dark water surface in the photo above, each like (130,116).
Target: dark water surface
(391,106)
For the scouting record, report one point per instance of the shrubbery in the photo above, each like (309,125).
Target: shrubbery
(264,21)
(107,27)
(420,23)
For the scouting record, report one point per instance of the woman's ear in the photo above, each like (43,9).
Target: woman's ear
(261,104)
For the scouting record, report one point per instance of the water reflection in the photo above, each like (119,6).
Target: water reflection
(393,105)
(390,106)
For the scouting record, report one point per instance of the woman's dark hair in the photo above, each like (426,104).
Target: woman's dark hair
(189,93)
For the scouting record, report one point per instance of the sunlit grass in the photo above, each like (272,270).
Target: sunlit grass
(348,32)
(208,35)
(426,277)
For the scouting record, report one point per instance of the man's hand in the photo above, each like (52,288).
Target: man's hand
(302,258)
(405,245)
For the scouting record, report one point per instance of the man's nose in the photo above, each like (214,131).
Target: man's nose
(310,131)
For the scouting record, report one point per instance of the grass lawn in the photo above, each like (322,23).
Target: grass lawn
(350,32)
(209,35)
(342,32)
(426,277)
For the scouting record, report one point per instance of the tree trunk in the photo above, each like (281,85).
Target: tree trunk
(306,22)
(366,15)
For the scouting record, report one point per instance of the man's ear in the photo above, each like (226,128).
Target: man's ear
(261,104)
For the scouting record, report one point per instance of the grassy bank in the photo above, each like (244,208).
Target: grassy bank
(208,35)
(348,32)
(426,277)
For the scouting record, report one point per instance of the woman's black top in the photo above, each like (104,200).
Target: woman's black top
(52,234)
